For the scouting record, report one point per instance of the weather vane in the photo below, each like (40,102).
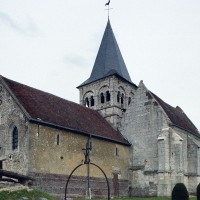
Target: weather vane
(108,4)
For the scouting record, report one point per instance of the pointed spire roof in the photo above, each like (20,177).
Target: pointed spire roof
(109,60)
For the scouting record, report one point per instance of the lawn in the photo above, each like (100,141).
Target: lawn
(32,195)
(153,198)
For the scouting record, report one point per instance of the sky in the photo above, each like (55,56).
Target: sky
(51,45)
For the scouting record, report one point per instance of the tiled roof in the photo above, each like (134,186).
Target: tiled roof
(177,116)
(62,113)
(109,60)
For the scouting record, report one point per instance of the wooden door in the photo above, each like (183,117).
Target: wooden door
(116,185)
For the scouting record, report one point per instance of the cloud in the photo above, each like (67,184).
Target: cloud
(30,27)
(9,22)
(75,60)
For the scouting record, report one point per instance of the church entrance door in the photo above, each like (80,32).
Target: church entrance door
(116,185)
(1,167)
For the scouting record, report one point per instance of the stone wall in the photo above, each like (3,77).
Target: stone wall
(112,110)
(46,156)
(163,155)
(12,116)
(77,187)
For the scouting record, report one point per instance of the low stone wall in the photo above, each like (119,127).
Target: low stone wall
(55,184)
(11,186)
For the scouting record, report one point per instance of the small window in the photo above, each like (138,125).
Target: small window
(87,102)
(107,96)
(117,151)
(129,100)
(102,98)
(92,101)
(122,99)
(15,138)
(58,139)
(118,96)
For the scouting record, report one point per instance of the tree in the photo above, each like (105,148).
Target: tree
(180,192)
(198,192)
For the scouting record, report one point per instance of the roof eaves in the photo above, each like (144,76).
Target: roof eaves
(195,134)
(115,74)
(38,121)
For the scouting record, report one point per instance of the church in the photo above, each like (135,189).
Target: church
(144,145)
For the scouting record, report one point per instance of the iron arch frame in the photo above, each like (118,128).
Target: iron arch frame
(80,166)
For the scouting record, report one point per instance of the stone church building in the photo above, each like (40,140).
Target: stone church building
(144,145)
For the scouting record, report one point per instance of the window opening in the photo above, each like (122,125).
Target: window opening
(117,151)
(102,98)
(15,138)
(122,99)
(87,102)
(129,100)
(118,96)
(107,96)
(58,139)
(92,101)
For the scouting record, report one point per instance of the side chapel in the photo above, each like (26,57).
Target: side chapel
(144,145)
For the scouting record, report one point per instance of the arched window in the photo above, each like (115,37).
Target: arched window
(87,102)
(107,96)
(15,138)
(102,98)
(122,99)
(92,101)
(118,96)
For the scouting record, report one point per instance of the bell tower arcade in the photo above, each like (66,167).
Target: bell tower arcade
(109,88)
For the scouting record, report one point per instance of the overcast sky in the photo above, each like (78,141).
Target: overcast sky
(52,44)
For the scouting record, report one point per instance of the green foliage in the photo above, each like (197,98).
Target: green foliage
(198,192)
(180,192)
(32,195)
(136,198)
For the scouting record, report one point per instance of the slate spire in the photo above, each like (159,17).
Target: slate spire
(109,60)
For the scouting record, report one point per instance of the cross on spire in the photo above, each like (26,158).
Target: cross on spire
(108,9)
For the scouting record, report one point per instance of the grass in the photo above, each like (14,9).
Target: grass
(147,198)
(153,198)
(32,195)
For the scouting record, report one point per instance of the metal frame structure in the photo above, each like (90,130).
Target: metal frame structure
(88,163)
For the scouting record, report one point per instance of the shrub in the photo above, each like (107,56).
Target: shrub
(198,192)
(180,192)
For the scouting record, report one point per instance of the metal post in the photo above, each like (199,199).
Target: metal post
(87,162)
(89,148)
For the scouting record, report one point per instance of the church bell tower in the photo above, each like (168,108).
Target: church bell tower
(109,88)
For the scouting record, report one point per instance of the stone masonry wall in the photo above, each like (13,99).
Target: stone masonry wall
(163,155)
(144,122)
(10,116)
(77,187)
(112,110)
(46,156)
